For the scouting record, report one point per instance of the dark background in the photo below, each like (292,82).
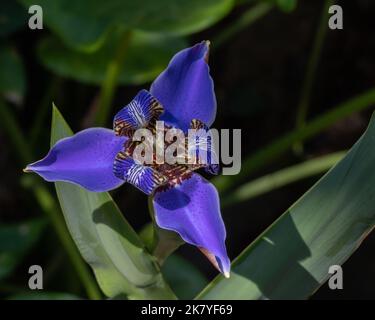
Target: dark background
(258,75)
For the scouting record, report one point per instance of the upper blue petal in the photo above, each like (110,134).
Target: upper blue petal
(185,88)
(85,159)
(192,210)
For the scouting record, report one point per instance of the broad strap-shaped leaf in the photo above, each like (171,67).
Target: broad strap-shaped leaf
(291,259)
(105,239)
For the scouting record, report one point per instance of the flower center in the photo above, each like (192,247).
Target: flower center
(174,173)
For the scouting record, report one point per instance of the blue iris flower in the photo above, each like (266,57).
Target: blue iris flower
(100,159)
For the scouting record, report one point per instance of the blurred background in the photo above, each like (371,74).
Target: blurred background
(276,65)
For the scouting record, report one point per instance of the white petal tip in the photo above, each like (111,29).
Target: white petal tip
(227,275)
(26,170)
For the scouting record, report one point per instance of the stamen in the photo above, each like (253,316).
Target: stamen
(175,174)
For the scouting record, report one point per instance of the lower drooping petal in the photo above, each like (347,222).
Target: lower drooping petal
(192,210)
(185,88)
(85,159)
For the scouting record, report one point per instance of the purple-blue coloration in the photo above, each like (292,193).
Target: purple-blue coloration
(186,89)
(192,209)
(139,113)
(85,159)
(100,159)
(144,178)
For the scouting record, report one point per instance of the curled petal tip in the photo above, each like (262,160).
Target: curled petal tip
(207,43)
(27,169)
(217,262)
(207,55)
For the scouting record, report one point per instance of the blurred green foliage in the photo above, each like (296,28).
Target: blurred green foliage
(323,228)
(146,56)
(43,296)
(12,75)
(287,5)
(12,17)
(94,19)
(125,42)
(15,243)
(185,279)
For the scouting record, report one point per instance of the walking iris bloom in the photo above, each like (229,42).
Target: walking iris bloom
(100,159)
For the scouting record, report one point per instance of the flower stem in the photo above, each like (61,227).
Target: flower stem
(312,66)
(47,202)
(166,242)
(110,82)
(162,242)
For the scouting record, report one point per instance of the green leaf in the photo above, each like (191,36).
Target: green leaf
(12,17)
(185,279)
(85,23)
(12,74)
(16,240)
(146,56)
(43,295)
(287,5)
(105,239)
(47,203)
(290,260)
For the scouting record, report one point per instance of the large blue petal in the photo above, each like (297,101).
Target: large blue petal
(85,159)
(185,88)
(192,210)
